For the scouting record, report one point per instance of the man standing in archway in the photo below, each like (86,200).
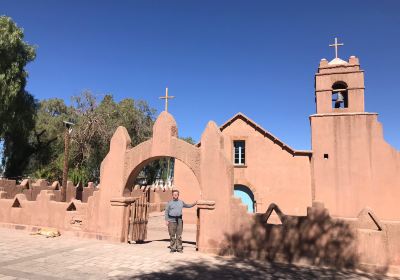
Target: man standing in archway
(173,219)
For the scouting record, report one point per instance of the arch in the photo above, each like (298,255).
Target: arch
(184,179)
(141,155)
(135,172)
(246,195)
(340,98)
(339,84)
(212,170)
(253,189)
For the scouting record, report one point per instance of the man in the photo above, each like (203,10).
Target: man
(173,219)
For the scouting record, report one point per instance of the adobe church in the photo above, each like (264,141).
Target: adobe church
(350,166)
(335,205)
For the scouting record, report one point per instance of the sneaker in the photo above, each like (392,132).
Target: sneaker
(180,251)
(172,251)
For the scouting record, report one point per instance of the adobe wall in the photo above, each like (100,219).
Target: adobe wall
(362,169)
(189,188)
(43,212)
(36,204)
(364,242)
(6,183)
(108,208)
(362,174)
(31,189)
(272,173)
(28,187)
(216,185)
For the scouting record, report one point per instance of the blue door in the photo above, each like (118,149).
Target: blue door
(246,195)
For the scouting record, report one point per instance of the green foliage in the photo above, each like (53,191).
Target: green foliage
(160,169)
(51,171)
(95,123)
(46,137)
(17,106)
(79,176)
(189,139)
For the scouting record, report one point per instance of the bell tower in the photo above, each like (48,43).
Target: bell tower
(347,142)
(339,85)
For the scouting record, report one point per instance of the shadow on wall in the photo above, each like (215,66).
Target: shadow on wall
(315,239)
(239,269)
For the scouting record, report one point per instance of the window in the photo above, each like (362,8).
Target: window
(339,95)
(239,152)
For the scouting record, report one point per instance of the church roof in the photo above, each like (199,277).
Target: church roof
(337,61)
(265,133)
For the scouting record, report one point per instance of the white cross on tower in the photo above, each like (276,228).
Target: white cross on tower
(336,45)
(166,97)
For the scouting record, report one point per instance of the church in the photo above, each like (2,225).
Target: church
(349,167)
(336,204)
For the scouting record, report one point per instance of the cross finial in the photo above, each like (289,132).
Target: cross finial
(166,97)
(336,45)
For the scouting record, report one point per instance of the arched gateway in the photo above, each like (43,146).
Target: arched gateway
(208,163)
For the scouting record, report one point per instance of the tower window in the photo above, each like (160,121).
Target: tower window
(339,95)
(239,152)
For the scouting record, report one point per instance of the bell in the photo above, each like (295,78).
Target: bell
(340,98)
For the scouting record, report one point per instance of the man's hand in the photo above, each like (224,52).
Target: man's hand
(166,223)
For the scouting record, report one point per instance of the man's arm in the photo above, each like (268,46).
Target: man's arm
(167,212)
(189,205)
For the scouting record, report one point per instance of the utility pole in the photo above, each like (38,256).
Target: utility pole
(68,130)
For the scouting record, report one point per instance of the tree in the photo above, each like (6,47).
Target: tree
(47,139)
(188,139)
(96,122)
(17,106)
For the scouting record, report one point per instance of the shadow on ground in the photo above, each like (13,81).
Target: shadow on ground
(162,240)
(247,269)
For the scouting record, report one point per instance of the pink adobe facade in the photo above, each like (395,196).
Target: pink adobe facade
(271,167)
(106,213)
(351,169)
(336,204)
(361,169)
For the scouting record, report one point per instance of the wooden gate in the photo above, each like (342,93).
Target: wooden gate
(138,218)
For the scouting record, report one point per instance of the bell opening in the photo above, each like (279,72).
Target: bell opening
(339,96)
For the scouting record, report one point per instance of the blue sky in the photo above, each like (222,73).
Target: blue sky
(216,57)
